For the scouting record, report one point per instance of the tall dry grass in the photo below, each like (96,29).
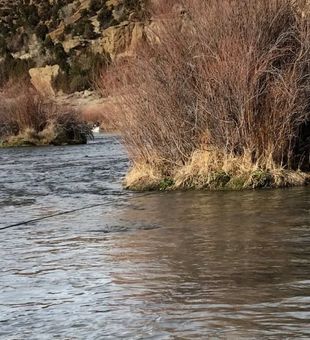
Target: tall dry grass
(229,76)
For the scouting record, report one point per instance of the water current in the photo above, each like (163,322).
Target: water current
(80,258)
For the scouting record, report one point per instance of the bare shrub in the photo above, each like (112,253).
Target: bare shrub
(229,76)
(21,107)
(99,114)
(27,118)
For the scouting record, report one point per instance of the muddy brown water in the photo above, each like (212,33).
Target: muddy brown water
(191,265)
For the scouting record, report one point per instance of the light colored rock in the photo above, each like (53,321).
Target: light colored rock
(31,51)
(42,79)
(120,40)
(96,24)
(67,11)
(54,35)
(69,44)
(87,93)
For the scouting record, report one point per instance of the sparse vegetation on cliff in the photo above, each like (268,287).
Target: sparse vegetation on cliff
(222,101)
(39,33)
(27,119)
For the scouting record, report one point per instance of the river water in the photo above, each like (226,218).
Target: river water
(186,265)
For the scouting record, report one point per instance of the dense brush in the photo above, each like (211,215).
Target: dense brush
(237,83)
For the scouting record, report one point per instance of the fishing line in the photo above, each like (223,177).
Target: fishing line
(51,216)
(38,219)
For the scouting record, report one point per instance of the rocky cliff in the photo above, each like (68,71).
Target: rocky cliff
(80,36)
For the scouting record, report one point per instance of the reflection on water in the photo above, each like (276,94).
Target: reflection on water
(161,265)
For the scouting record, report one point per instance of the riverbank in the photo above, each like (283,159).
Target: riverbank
(197,175)
(51,135)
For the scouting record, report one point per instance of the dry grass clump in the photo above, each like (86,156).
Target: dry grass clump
(214,170)
(144,177)
(27,119)
(228,76)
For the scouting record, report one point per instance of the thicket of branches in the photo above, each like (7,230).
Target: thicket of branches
(27,118)
(231,76)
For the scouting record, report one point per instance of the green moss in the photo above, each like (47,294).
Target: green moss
(166,184)
(237,183)
(218,180)
(16,143)
(261,179)
(144,184)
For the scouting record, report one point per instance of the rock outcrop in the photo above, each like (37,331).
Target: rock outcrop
(42,78)
(39,33)
(120,40)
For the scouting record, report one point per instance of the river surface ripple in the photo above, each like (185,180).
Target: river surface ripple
(185,265)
